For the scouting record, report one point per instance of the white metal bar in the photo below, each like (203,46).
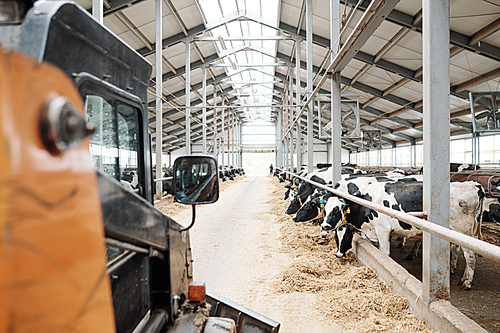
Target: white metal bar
(216,156)
(231,106)
(279,143)
(485,249)
(310,102)
(336,114)
(251,82)
(240,38)
(163,178)
(204,95)
(223,136)
(298,134)
(188,97)
(159,89)
(271,64)
(290,112)
(436,133)
(98,10)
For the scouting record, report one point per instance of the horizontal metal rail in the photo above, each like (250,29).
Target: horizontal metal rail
(164,178)
(480,247)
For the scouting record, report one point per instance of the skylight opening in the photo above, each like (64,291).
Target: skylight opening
(254,83)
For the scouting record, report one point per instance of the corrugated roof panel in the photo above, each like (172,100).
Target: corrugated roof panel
(468,17)
(467,65)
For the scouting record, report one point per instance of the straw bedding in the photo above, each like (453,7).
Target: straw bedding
(349,295)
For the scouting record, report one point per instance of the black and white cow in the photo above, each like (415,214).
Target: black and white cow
(347,217)
(310,208)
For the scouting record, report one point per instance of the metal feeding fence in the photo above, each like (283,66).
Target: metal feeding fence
(485,249)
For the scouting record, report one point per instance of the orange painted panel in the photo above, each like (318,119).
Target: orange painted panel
(52,251)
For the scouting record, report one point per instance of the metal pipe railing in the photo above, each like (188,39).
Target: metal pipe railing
(164,178)
(485,249)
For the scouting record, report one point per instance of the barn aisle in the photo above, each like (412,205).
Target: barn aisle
(236,252)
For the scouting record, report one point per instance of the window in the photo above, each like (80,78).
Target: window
(115,144)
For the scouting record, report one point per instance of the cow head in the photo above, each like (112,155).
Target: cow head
(287,194)
(295,204)
(333,213)
(313,206)
(343,239)
(309,210)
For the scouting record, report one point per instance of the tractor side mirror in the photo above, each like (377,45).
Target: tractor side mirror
(196,180)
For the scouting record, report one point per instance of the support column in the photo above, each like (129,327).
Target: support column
(279,143)
(310,107)
(98,10)
(188,97)
(159,83)
(436,134)
(233,142)
(216,156)
(290,110)
(240,145)
(223,136)
(298,145)
(336,114)
(204,96)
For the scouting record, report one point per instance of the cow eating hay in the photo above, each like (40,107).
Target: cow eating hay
(348,294)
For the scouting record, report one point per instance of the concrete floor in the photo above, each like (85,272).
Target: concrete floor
(481,303)
(236,252)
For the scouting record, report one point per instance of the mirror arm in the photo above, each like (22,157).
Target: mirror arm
(192,222)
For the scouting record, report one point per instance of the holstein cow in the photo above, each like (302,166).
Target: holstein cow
(310,208)
(347,217)
(305,189)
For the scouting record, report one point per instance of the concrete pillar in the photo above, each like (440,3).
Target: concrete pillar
(159,93)
(436,134)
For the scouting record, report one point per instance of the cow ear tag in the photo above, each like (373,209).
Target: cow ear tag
(343,201)
(348,210)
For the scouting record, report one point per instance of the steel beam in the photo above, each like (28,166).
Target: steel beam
(159,92)
(298,134)
(436,196)
(310,102)
(204,94)
(98,10)
(188,97)
(336,112)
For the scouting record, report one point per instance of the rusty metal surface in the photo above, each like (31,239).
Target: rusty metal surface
(53,264)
